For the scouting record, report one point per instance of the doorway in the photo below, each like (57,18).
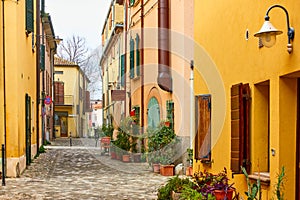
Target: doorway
(28,128)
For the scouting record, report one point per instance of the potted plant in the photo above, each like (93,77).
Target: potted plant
(162,143)
(123,141)
(214,184)
(189,169)
(173,188)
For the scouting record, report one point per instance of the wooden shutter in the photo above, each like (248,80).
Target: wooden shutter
(170,113)
(203,128)
(123,70)
(29,16)
(240,107)
(131,58)
(42,57)
(87,101)
(137,41)
(59,93)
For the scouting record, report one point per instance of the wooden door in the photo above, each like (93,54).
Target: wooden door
(28,128)
(63,126)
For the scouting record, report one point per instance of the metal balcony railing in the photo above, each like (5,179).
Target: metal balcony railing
(66,100)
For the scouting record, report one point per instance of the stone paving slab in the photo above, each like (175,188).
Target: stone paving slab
(80,172)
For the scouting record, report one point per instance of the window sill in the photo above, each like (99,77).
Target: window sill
(263,176)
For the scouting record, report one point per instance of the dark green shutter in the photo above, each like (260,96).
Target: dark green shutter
(132,2)
(170,113)
(131,58)
(137,113)
(42,58)
(29,16)
(137,40)
(123,70)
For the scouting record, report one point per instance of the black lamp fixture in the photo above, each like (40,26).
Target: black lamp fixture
(268,32)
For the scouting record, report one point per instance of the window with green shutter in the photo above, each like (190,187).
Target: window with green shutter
(137,42)
(29,16)
(170,113)
(131,58)
(42,58)
(123,70)
(137,113)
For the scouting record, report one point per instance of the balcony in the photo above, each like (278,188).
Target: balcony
(64,100)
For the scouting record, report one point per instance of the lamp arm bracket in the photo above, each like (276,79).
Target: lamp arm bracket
(291,31)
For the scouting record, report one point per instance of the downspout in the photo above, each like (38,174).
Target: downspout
(43,82)
(192,106)
(52,52)
(142,69)
(164,78)
(37,74)
(125,52)
(4,86)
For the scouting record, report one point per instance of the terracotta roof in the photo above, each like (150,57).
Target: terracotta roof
(61,61)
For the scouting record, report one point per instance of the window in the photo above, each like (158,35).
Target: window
(59,72)
(203,129)
(59,93)
(240,109)
(131,57)
(123,70)
(29,16)
(170,112)
(42,57)
(137,41)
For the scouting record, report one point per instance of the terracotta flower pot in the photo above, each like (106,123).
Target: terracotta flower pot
(220,194)
(189,171)
(113,155)
(167,170)
(156,167)
(126,158)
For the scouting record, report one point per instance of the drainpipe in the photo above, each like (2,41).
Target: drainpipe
(37,75)
(164,78)
(43,82)
(4,91)
(142,69)
(192,104)
(125,53)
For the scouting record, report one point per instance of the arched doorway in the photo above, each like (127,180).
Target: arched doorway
(153,113)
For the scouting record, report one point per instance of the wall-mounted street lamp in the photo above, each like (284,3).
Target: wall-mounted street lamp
(268,32)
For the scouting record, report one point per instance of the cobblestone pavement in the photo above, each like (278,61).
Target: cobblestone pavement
(81,172)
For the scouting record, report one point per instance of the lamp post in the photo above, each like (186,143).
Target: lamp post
(268,32)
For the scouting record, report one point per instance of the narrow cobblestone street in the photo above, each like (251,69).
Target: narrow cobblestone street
(80,172)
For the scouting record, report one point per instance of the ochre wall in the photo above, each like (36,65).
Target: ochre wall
(224,55)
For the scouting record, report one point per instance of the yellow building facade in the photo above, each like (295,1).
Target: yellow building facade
(159,54)
(112,57)
(71,102)
(20,95)
(254,93)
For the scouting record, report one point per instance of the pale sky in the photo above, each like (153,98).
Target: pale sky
(79,18)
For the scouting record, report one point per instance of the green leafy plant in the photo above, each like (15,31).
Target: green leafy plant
(254,190)
(162,144)
(190,156)
(108,130)
(279,186)
(175,184)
